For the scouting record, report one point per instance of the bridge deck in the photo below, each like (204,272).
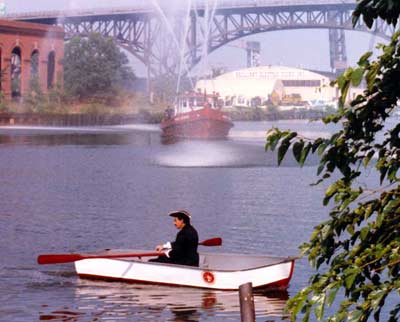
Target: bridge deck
(145,7)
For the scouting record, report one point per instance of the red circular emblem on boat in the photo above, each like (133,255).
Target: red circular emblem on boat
(208,277)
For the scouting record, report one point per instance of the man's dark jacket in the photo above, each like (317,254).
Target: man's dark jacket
(184,248)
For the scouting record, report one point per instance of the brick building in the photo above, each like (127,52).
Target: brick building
(29,51)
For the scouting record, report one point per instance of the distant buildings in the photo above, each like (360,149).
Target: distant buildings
(281,86)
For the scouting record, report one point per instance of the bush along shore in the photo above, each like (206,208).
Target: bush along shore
(265,114)
(122,109)
(55,119)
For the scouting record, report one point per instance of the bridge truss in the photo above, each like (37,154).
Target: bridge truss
(174,43)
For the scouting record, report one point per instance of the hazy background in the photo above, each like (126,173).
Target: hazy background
(307,49)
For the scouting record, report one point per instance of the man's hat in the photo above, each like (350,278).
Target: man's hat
(180,214)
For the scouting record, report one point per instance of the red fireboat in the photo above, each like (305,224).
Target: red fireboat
(196,115)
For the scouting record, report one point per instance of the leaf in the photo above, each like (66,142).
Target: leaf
(392,173)
(350,229)
(322,148)
(320,168)
(285,146)
(368,157)
(332,295)
(344,91)
(364,232)
(297,148)
(371,77)
(341,80)
(383,171)
(330,192)
(320,307)
(304,154)
(357,76)
(273,137)
(282,151)
(316,144)
(299,302)
(363,61)
(356,316)
(391,206)
(326,232)
(350,276)
(369,21)
(307,313)
(376,297)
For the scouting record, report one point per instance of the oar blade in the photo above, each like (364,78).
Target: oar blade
(68,258)
(217,241)
(58,258)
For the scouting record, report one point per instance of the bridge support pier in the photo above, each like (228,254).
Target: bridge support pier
(337,49)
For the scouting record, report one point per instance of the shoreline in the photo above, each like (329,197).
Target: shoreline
(87,119)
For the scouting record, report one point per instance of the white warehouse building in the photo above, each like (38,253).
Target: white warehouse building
(277,84)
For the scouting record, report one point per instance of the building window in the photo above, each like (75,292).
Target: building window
(16,72)
(301,82)
(1,70)
(51,65)
(35,64)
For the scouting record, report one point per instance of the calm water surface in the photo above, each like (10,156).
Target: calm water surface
(84,189)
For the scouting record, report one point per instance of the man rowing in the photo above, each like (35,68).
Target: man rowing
(183,250)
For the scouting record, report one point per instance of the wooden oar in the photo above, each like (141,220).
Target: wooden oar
(68,258)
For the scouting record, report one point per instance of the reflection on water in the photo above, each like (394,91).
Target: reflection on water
(136,136)
(160,303)
(60,316)
(242,150)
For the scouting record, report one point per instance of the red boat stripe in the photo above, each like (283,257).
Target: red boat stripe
(278,285)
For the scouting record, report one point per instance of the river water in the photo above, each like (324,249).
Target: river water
(85,189)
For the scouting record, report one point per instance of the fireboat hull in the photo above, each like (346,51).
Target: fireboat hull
(205,123)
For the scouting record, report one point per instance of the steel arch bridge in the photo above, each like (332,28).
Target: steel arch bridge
(172,41)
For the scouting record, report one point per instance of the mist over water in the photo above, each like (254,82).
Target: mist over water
(218,154)
(243,148)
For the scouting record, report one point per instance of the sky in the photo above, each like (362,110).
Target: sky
(296,48)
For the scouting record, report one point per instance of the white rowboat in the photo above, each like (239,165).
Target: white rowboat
(216,271)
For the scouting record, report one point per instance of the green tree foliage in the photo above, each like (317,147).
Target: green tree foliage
(356,252)
(94,66)
(3,104)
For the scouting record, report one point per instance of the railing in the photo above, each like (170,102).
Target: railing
(75,13)
(270,3)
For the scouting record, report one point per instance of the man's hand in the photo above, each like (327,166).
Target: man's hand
(160,248)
